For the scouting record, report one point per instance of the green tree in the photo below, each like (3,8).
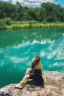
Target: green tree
(49,12)
(42,14)
(53,11)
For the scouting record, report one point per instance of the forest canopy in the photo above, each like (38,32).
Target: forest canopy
(48,12)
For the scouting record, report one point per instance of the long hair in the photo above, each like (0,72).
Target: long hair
(35,62)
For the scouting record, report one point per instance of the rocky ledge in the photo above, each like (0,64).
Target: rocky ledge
(53,86)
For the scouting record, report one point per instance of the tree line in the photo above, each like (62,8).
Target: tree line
(46,12)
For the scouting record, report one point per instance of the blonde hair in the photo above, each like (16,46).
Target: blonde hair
(39,65)
(36,63)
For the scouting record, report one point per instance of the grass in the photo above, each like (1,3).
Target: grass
(32,24)
(36,25)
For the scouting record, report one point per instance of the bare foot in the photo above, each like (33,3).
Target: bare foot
(20,86)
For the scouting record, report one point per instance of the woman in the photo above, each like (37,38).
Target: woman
(34,73)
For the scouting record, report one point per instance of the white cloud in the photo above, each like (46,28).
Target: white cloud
(31,1)
(16,60)
(20,1)
(42,53)
(34,1)
(1,51)
(4,0)
(56,64)
(52,54)
(2,63)
(28,2)
(49,0)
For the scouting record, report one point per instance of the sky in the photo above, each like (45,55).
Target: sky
(35,3)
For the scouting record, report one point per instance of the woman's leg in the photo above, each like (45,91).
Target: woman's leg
(25,79)
(29,70)
(26,75)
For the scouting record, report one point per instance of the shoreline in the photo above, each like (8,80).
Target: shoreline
(53,86)
(32,25)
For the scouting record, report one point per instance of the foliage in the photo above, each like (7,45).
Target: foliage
(47,12)
(4,22)
(8,21)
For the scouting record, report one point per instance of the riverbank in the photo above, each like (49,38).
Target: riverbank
(30,24)
(37,25)
(53,86)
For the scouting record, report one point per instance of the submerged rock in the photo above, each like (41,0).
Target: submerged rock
(53,86)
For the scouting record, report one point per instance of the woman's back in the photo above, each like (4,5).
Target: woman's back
(36,75)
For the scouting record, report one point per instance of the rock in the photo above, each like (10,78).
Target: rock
(53,86)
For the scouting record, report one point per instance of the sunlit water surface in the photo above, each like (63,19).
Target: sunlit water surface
(17,48)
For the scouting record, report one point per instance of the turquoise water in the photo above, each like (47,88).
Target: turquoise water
(17,48)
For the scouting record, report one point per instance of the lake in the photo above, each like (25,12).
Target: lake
(19,46)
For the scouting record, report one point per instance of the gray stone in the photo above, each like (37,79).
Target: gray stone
(53,86)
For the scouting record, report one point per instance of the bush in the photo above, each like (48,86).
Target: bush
(30,24)
(8,21)
(2,24)
(44,21)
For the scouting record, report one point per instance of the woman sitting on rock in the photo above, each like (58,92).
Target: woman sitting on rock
(34,73)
